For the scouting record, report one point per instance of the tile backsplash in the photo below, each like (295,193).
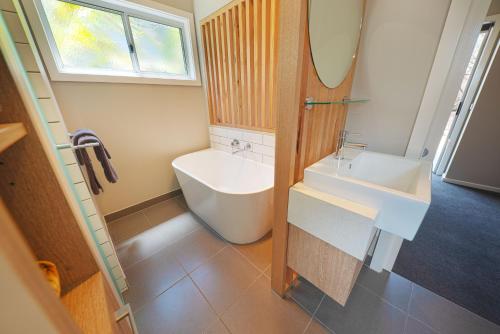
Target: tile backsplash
(262,143)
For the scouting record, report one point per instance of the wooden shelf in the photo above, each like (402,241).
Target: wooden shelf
(89,307)
(10,133)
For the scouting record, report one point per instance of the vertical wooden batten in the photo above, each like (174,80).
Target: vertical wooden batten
(302,137)
(241,72)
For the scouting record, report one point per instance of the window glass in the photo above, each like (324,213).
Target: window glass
(158,47)
(88,38)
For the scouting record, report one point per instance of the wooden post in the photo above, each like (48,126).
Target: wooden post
(291,39)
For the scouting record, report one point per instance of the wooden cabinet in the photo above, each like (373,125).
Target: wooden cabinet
(37,223)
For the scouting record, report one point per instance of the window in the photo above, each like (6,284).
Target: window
(117,41)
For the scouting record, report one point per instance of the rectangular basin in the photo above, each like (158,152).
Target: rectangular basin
(399,189)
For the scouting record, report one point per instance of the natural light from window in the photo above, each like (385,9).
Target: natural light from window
(104,39)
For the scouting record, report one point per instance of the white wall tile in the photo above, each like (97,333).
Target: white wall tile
(27,57)
(89,207)
(261,143)
(268,160)
(253,156)
(252,137)
(96,222)
(107,249)
(15,27)
(234,134)
(218,131)
(113,260)
(122,284)
(39,85)
(49,110)
(267,150)
(7,5)
(59,133)
(82,190)
(68,156)
(117,272)
(75,173)
(221,147)
(101,236)
(269,140)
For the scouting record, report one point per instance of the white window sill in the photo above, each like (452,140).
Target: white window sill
(124,79)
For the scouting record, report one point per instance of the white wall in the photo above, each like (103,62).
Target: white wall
(143,126)
(397,49)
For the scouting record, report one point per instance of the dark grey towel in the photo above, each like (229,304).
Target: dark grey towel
(86,136)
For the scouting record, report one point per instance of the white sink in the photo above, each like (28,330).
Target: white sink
(399,189)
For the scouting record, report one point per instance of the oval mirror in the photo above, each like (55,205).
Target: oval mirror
(334,29)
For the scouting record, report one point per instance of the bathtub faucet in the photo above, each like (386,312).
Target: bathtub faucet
(235,146)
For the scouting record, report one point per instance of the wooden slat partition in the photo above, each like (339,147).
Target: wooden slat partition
(239,43)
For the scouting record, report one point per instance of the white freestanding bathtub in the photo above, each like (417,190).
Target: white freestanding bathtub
(232,195)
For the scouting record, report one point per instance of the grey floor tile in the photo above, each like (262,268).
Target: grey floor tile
(262,311)
(197,248)
(364,313)
(128,227)
(156,238)
(162,212)
(390,286)
(180,309)
(414,326)
(446,317)
(216,328)
(316,328)
(306,294)
(259,252)
(267,272)
(150,277)
(224,278)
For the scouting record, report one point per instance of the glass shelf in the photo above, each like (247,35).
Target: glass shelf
(310,102)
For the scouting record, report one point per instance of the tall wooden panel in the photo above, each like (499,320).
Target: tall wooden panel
(239,43)
(302,137)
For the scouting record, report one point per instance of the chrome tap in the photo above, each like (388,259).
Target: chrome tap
(235,146)
(343,143)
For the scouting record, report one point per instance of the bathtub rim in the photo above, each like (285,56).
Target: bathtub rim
(264,189)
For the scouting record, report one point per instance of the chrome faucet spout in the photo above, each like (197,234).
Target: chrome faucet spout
(343,143)
(236,147)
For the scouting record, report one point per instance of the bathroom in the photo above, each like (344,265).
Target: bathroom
(245,166)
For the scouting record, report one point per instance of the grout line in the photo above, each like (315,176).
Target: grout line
(204,262)
(248,260)
(138,309)
(157,251)
(408,308)
(265,270)
(382,298)
(312,315)
(203,295)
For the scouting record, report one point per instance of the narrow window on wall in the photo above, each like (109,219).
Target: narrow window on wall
(118,40)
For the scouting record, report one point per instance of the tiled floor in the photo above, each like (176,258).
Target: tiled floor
(185,279)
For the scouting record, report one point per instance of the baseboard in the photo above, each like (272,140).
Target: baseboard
(141,206)
(472,185)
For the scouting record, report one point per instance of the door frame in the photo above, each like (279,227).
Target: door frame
(463,23)
(471,95)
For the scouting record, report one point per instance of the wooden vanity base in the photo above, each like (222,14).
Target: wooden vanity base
(328,268)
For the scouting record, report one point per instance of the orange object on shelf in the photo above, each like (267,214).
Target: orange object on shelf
(50,272)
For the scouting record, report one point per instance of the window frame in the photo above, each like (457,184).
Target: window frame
(141,9)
